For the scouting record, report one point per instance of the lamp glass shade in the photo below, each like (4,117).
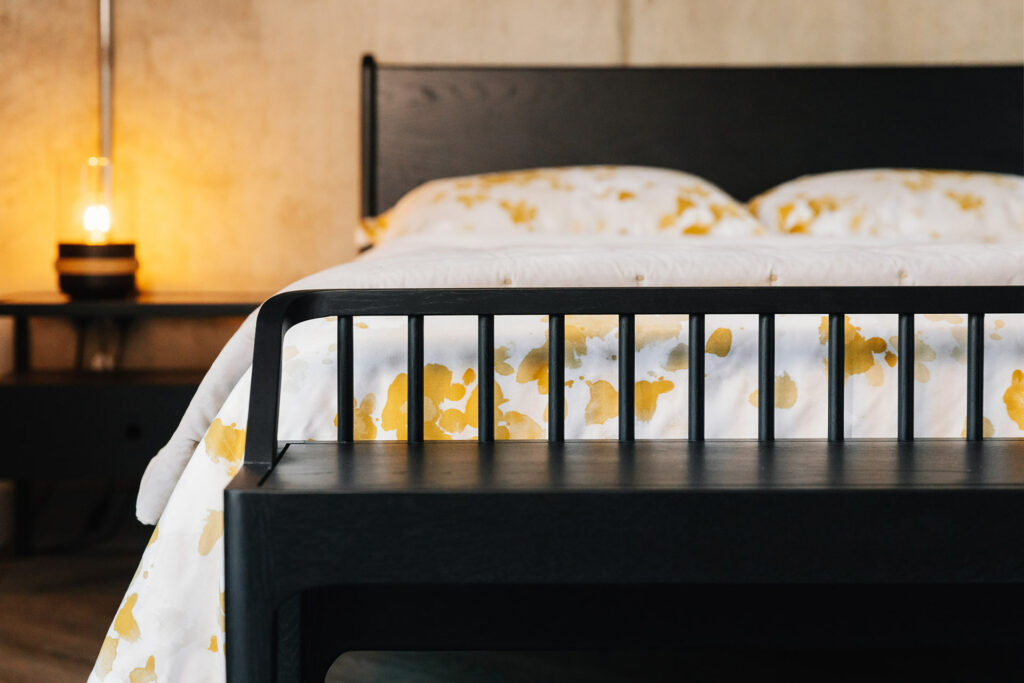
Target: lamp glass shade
(89,211)
(95,250)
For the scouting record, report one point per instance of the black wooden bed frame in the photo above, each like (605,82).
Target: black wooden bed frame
(636,544)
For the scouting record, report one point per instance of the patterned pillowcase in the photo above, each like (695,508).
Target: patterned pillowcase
(915,204)
(610,200)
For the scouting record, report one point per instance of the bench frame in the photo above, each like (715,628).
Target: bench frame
(317,550)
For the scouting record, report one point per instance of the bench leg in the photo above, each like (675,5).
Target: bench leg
(321,643)
(304,645)
(269,646)
(250,642)
(290,640)
(250,601)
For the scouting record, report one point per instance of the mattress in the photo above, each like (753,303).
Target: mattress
(172,618)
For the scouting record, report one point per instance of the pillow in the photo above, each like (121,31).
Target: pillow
(977,207)
(611,200)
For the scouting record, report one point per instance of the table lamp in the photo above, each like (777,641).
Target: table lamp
(91,262)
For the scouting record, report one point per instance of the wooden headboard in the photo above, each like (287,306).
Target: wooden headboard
(745,129)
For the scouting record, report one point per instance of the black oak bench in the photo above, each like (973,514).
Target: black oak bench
(619,544)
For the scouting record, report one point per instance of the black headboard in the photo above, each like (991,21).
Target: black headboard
(745,129)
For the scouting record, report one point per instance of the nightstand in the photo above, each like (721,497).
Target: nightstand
(82,424)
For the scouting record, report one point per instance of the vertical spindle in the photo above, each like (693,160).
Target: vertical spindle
(556,377)
(485,382)
(627,376)
(414,405)
(905,393)
(696,426)
(766,377)
(836,374)
(345,379)
(975,376)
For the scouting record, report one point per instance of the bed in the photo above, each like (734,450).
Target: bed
(418,544)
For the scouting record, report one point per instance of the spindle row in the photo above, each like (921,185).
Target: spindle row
(627,377)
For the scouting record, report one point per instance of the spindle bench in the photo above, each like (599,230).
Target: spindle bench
(619,544)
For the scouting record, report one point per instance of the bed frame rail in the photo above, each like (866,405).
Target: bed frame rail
(285,310)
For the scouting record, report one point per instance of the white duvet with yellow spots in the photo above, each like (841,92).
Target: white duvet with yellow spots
(170,626)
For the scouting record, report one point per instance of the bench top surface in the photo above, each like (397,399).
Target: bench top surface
(611,466)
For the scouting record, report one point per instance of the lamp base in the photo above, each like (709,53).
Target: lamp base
(97,271)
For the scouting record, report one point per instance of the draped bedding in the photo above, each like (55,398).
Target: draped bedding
(171,622)
(594,226)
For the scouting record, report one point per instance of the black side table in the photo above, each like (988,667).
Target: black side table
(82,424)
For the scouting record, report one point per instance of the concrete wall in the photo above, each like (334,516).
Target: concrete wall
(236,121)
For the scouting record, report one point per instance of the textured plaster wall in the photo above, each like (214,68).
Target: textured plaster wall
(236,121)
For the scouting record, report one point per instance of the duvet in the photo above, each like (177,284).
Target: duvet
(170,625)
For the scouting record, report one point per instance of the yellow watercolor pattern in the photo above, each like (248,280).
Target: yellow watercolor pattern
(915,204)
(225,443)
(144,674)
(613,200)
(1014,398)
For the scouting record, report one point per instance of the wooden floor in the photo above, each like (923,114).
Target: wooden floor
(54,612)
(56,605)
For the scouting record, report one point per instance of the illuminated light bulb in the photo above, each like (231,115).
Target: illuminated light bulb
(96,221)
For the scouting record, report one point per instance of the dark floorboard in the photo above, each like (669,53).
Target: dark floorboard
(55,611)
(56,605)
